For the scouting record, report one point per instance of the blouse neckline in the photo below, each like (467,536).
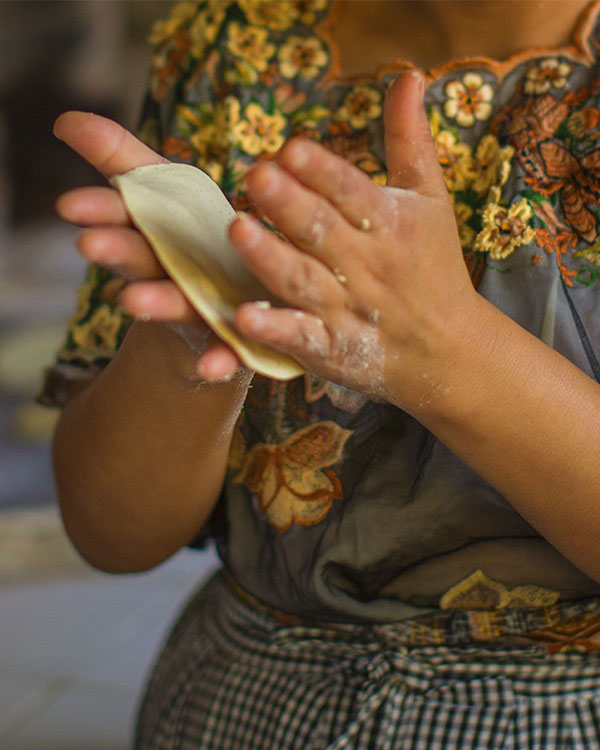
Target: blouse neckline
(581,49)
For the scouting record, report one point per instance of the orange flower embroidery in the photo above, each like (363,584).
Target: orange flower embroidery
(292,480)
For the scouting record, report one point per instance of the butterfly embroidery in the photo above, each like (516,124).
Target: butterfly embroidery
(579,179)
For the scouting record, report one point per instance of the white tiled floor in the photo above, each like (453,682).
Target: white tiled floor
(74,653)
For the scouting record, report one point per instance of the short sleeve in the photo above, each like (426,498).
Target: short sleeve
(94,333)
(182,118)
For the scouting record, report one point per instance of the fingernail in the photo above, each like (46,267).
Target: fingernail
(251,232)
(143,317)
(420,82)
(297,155)
(256,320)
(269,182)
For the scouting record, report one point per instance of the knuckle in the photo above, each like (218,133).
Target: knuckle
(314,231)
(303,283)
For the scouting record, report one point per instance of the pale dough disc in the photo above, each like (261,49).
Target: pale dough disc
(184,216)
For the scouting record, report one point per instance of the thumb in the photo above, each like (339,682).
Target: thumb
(104,143)
(412,160)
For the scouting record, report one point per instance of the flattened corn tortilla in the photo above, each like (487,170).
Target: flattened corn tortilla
(184,216)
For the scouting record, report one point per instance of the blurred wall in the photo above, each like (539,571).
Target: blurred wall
(57,55)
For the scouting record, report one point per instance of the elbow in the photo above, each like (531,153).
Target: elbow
(111,556)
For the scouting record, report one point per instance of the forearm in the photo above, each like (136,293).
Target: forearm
(528,421)
(140,454)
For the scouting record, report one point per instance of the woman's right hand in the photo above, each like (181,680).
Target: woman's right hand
(110,239)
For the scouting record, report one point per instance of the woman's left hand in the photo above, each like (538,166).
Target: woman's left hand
(374,276)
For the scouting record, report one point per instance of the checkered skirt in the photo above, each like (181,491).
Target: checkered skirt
(232,677)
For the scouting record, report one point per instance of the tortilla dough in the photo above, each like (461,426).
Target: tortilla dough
(184,216)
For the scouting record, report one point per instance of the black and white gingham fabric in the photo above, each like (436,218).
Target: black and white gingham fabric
(233,678)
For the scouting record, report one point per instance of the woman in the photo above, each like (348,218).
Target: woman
(409,532)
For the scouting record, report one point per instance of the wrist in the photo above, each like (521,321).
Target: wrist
(446,383)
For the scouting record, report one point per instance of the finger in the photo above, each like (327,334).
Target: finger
(301,335)
(412,160)
(122,249)
(295,277)
(349,189)
(308,220)
(105,144)
(157,300)
(219,363)
(91,206)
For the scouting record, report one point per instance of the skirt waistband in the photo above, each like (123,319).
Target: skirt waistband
(560,628)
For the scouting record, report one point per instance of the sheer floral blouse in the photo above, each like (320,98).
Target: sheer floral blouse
(337,507)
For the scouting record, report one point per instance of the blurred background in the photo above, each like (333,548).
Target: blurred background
(74,644)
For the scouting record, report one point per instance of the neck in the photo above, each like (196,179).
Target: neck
(430,33)
(498,28)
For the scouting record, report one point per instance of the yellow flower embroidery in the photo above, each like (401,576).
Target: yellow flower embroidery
(362,104)
(292,480)
(545,75)
(463,213)
(272,15)
(84,294)
(300,56)
(468,100)
(491,165)
(100,332)
(307,10)
(259,132)
(250,44)
(205,27)
(477,591)
(504,229)
(210,132)
(455,160)
(164,29)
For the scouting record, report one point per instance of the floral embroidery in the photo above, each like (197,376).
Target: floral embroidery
(259,131)
(362,104)
(99,323)
(474,180)
(100,331)
(278,16)
(246,84)
(556,146)
(292,480)
(164,29)
(205,134)
(308,10)
(477,591)
(455,160)
(504,229)
(491,165)
(250,43)
(468,100)
(463,213)
(301,56)
(548,73)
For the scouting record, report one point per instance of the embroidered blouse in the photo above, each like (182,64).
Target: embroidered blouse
(337,507)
